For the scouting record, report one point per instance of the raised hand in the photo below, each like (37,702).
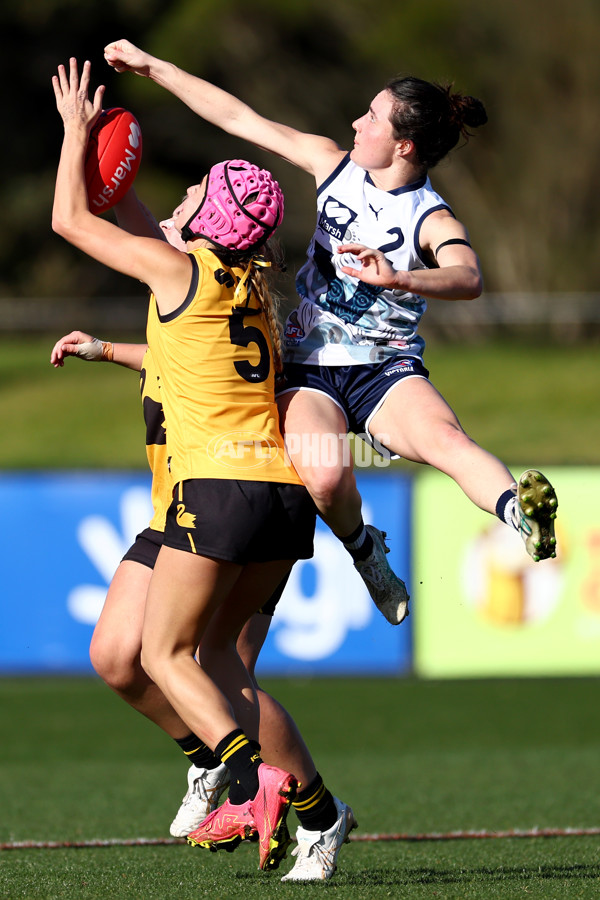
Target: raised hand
(77,111)
(124,56)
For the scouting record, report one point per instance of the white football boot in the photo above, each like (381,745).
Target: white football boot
(387,591)
(317,851)
(533,514)
(205,787)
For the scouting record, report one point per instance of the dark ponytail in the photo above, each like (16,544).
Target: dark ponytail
(432,116)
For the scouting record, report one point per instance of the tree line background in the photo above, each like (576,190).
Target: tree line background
(527,185)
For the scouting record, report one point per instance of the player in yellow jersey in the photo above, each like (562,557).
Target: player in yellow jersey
(232,535)
(116,641)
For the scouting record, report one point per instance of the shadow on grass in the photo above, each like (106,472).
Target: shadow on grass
(401,876)
(427,876)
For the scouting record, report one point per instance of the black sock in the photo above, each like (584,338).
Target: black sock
(359,544)
(242,760)
(502,503)
(197,752)
(237,793)
(314,806)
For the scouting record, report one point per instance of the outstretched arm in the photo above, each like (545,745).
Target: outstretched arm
(135,217)
(84,346)
(147,259)
(315,154)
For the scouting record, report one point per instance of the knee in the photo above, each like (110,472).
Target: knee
(117,665)
(327,484)
(156,660)
(448,440)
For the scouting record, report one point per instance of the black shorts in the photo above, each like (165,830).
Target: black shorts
(268,608)
(147,544)
(145,548)
(241,521)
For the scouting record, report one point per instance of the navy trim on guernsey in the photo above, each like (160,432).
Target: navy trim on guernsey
(404,189)
(168,317)
(417,245)
(341,165)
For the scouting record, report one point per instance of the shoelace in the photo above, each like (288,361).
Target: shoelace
(372,574)
(519,519)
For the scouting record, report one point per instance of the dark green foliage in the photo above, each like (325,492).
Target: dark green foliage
(526,185)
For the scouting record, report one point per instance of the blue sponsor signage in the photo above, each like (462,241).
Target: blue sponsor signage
(62,537)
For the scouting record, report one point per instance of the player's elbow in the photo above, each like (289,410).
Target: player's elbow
(63,225)
(60,224)
(473,287)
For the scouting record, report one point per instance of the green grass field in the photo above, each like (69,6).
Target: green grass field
(413,758)
(532,404)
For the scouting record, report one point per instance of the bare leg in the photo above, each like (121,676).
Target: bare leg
(416,422)
(307,418)
(218,653)
(281,742)
(312,424)
(116,644)
(185,591)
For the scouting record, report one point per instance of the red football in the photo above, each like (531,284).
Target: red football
(112,159)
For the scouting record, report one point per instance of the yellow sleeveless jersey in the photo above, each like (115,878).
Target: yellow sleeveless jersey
(156,441)
(217,381)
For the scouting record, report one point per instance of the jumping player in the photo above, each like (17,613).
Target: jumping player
(384,242)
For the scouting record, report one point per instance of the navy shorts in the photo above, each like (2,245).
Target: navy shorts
(241,521)
(147,544)
(359,391)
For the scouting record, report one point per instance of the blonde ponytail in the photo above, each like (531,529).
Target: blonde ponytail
(270,305)
(255,279)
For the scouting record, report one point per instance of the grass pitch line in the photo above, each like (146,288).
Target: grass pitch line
(481,835)
(360,838)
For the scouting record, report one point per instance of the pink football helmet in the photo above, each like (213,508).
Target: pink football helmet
(226,215)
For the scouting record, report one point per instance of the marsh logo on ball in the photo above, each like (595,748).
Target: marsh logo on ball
(243,450)
(112,158)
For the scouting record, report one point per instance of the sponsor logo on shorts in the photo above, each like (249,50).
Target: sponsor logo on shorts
(402,367)
(243,449)
(183,518)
